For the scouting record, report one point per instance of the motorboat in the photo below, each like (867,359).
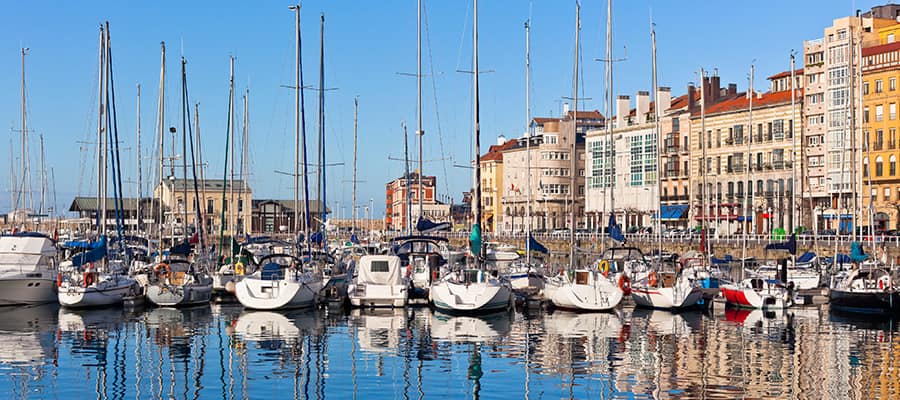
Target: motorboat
(378,281)
(423,257)
(28,269)
(281,282)
(866,288)
(669,290)
(758,293)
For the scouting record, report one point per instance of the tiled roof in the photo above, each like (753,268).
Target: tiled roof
(90,204)
(884,48)
(741,102)
(785,74)
(315,206)
(586,114)
(682,101)
(495,152)
(543,120)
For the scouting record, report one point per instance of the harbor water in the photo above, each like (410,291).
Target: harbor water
(226,352)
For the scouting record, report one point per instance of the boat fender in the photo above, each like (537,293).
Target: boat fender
(603,266)
(58,280)
(625,284)
(239,268)
(652,279)
(88,279)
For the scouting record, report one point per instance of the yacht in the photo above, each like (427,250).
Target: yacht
(471,290)
(27,269)
(89,278)
(281,282)
(378,281)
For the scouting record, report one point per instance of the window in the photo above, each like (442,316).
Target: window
(865,114)
(879,166)
(551,139)
(210,206)
(240,205)
(890,39)
(892,166)
(879,86)
(676,124)
(813,140)
(892,84)
(865,88)
(887,193)
(879,112)
(778,129)
(812,78)
(892,111)
(738,134)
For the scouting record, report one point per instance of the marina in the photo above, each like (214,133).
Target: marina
(224,351)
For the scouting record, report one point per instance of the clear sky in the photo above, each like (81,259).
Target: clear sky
(367,44)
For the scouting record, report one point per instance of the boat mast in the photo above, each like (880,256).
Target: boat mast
(748,202)
(477,126)
(140,189)
(160,123)
(245,159)
(610,185)
(795,205)
(43,180)
(24,133)
(185,112)
(574,157)
(408,204)
(656,107)
(419,130)
(231,204)
(528,138)
(202,223)
(322,196)
(101,148)
(704,166)
(297,90)
(355,128)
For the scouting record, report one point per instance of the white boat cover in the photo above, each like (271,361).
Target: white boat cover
(380,270)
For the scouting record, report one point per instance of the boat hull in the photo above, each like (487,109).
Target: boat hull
(370,295)
(261,294)
(865,301)
(27,291)
(665,298)
(576,297)
(754,298)
(474,297)
(107,293)
(179,295)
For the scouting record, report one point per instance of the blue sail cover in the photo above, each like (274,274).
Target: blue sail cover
(426,226)
(475,239)
(615,232)
(535,246)
(790,245)
(806,257)
(96,251)
(856,252)
(183,248)
(354,239)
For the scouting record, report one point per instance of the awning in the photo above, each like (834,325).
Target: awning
(673,212)
(742,218)
(832,216)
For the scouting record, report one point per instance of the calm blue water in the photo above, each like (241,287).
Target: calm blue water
(224,352)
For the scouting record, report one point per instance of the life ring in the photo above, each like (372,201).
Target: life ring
(652,279)
(88,279)
(161,269)
(625,284)
(603,266)
(239,268)
(884,283)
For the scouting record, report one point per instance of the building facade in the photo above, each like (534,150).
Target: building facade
(739,164)
(492,166)
(521,184)
(675,151)
(881,196)
(180,197)
(398,216)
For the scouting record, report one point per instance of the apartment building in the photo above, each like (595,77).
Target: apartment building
(881,70)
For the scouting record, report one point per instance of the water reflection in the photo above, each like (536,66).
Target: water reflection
(227,352)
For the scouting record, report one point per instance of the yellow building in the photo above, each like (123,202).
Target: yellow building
(237,205)
(492,184)
(881,70)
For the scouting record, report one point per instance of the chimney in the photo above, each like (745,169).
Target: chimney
(500,140)
(565,109)
(664,99)
(715,91)
(691,92)
(642,105)
(622,107)
(732,89)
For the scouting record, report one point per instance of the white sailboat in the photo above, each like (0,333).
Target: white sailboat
(378,281)
(91,277)
(674,287)
(284,280)
(582,287)
(473,289)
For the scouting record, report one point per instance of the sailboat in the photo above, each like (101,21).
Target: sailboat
(752,292)
(285,280)
(178,280)
(473,290)
(583,287)
(667,285)
(90,276)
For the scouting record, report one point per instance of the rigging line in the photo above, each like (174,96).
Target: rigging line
(437,113)
(462,34)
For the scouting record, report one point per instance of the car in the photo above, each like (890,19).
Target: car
(827,232)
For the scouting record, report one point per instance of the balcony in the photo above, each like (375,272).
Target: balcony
(777,164)
(892,145)
(878,146)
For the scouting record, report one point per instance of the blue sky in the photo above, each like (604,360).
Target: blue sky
(367,44)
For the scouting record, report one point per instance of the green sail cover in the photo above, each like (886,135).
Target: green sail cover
(475,240)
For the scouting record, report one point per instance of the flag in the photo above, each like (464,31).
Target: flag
(615,232)
(534,245)
(790,245)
